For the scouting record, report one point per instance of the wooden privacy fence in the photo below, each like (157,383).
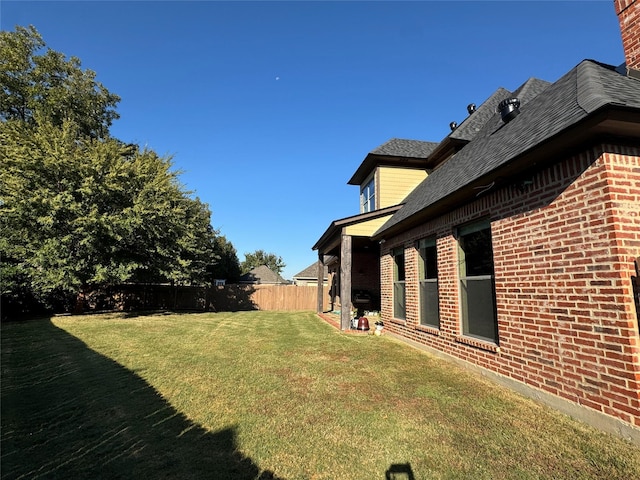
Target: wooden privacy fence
(265,297)
(216,299)
(286,297)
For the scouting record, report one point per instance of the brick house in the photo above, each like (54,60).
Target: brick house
(516,255)
(386,176)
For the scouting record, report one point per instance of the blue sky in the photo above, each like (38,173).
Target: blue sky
(268,108)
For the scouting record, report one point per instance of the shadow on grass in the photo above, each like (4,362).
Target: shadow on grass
(69,412)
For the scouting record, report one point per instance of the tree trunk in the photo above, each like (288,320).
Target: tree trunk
(81,301)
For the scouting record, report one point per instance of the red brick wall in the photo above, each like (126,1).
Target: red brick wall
(563,255)
(628,12)
(365,271)
(365,275)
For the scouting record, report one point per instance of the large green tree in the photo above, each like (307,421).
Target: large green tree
(78,208)
(259,258)
(79,213)
(36,79)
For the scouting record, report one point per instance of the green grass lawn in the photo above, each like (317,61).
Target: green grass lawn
(269,395)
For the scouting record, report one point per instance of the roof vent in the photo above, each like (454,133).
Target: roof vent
(509,109)
(453,126)
(471,108)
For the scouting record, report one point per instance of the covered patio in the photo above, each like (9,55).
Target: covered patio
(353,262)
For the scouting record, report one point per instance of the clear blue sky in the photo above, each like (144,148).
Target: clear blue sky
(269,107)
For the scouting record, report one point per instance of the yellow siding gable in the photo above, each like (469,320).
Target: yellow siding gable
(395,183)
(366,229)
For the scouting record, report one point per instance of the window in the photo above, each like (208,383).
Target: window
(477,290)
(428,280)
(368,197)
(399,294)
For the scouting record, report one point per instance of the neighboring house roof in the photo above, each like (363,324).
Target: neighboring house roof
(262,275)
(501,150)
(311,272)
(395,152)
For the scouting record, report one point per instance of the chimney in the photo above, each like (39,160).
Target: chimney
(628,12)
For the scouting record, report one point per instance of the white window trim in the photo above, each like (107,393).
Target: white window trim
(370,202)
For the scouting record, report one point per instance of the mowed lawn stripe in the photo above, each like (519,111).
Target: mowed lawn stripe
(277,394)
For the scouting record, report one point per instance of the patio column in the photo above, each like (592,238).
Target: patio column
(320,300)
(345,282)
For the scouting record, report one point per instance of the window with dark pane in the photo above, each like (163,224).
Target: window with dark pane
(428,280)
(368,197)
(477,291)
(399,291)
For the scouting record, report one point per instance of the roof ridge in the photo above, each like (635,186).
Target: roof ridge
(384,148)
(530,89)
(589,85)
(476,121)
(311,271)
(559,106)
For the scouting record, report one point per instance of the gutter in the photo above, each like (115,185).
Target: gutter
(610,122)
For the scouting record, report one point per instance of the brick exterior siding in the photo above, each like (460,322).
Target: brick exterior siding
(564,250)
(365,275)
(365,271)
(628,12)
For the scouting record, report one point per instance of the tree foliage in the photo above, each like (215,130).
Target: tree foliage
(55,87)
(260,257)
(78,208)
(79,212)
(227,265)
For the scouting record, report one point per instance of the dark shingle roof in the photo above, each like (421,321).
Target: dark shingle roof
(470,127)
(397,151)
(530,89)
(399,147)
(311,272)
(556,107)
(262,274)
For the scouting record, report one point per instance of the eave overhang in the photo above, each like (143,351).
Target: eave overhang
(444,150)
(331,237)
(611,124)
(372,161)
